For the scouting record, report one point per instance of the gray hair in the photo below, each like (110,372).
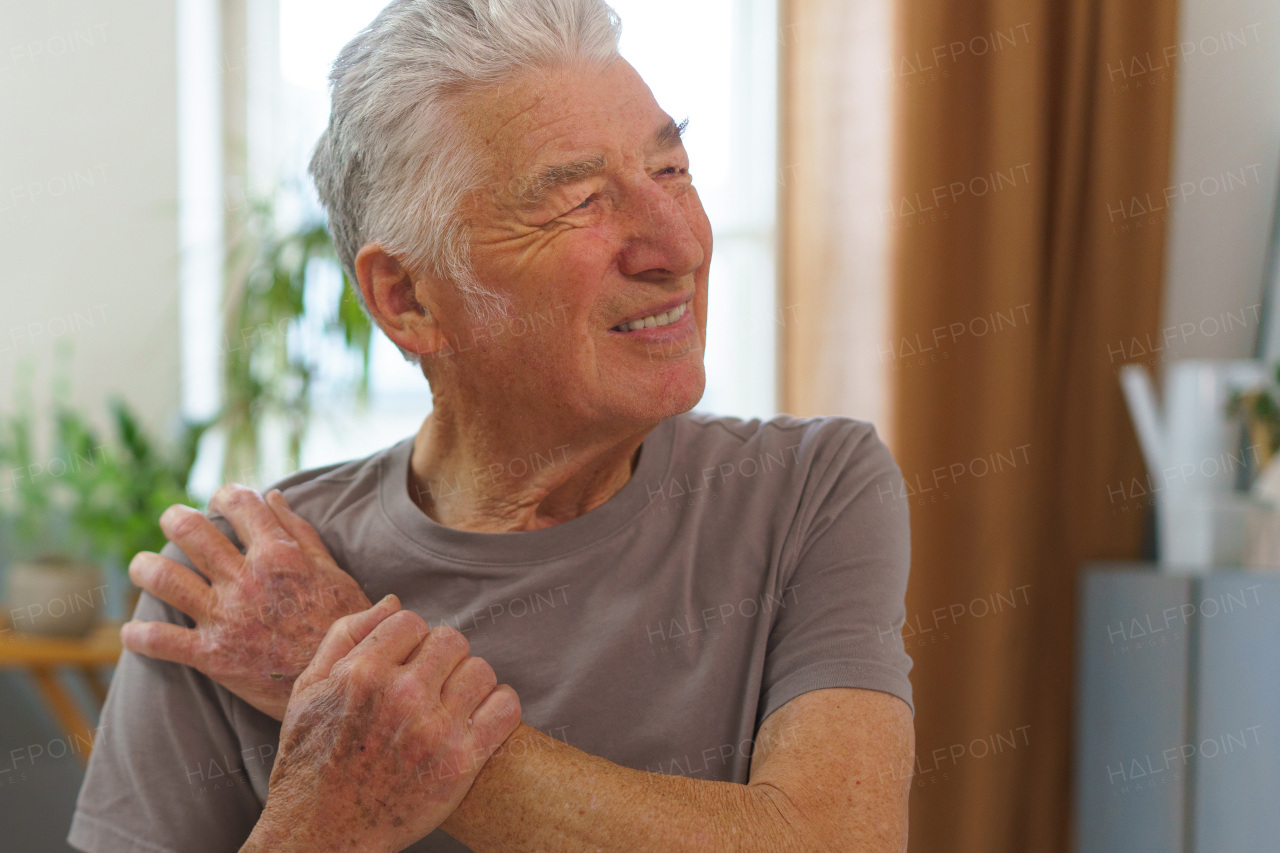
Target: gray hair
(392,166)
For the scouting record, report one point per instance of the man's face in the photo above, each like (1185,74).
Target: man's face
(590,222)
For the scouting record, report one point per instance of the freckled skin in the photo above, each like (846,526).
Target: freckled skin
(260,620)
(383,736)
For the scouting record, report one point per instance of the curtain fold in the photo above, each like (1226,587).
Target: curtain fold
(1010,286)
(1037,146)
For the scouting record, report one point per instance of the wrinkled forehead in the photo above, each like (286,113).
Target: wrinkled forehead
(547,117)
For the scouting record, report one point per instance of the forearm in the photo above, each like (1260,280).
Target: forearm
(539,793)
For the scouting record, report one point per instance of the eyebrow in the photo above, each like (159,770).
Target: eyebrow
(532,189)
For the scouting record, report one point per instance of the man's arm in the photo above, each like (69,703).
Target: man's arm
(377,737)
(827,775)
(828,771)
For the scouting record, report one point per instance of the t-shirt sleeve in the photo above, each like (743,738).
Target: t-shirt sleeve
(168,772)
(841,605)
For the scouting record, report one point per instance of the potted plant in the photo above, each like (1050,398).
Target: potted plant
(1260,414)
(52,584)
(88,502)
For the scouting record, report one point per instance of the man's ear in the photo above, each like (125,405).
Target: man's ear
(396,304)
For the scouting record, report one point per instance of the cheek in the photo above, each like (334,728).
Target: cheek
(702,233)
(571,285)
(546,340)
(566,269)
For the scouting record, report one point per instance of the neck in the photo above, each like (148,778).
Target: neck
(499,472)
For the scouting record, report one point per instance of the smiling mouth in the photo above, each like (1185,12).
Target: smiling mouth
(654,321)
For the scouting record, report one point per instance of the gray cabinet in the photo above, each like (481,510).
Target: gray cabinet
(1178,712)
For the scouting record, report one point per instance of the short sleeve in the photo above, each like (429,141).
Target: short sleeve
(842,602)
(169,772)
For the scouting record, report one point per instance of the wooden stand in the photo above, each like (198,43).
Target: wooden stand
(43,656)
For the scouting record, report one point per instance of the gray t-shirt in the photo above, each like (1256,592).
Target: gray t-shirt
(743,564)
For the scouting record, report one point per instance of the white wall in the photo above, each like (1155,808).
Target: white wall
(1227,134)
(88,200)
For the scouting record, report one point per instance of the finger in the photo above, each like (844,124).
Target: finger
(172,583)
(298,527)
(208,549)
(343,636)
(438,656)
(248,513)
(497,717)
(162,641)
(467,686)
(394,639)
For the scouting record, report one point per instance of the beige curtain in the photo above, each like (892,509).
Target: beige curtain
(1012,282)
(834,172)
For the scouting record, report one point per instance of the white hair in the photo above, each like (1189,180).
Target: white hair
(392,167)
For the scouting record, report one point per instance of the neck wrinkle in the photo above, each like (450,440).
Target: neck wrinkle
(497,478)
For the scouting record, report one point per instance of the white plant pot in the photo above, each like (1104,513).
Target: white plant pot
(55,597)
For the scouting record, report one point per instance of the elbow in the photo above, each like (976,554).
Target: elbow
(785,825)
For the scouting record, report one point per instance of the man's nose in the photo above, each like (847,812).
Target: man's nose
(662,242)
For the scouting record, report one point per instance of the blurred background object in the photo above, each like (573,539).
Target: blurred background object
(1075,187)
(957,221)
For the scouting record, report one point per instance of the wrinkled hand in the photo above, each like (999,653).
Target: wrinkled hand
(262,615)
(384,734)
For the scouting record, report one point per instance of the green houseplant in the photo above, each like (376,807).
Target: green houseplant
(1260,411)
(85,502)
(266,374)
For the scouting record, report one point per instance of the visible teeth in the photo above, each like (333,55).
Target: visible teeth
(655,320)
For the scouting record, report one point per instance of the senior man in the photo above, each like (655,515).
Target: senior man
(699,616)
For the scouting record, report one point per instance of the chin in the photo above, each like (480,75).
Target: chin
(662,397)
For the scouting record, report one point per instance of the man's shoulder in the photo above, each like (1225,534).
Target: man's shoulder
(787,462)
(801,441)
(317,494)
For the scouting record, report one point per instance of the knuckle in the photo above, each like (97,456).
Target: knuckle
(451,638)
(140,567)
(228,492)
(240,495)
(509,702)
(183,521)
(406,693)
(277,552)
(343,670)
(340,627)
(357,671)
(171,513)
(480,670)
(410,621)
(208,640)
(144,634)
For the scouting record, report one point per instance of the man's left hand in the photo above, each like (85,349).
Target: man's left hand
(261,615)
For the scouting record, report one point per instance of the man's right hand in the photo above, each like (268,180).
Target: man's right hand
(385,731)
(262,614)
